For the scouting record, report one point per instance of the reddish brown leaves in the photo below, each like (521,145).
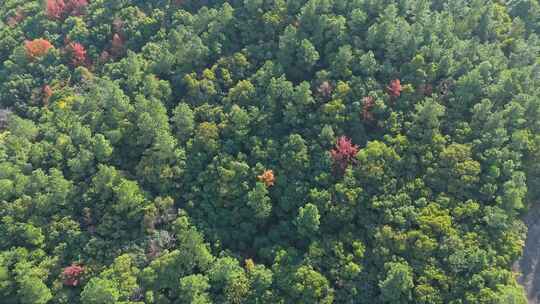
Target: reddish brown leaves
(76,7)
(325,89)
(425,89)
(117,45)
(395,88)
(37,48)
(78,53)
(72,275)
(55,8)
(117,48)
(60,9)
(344,153)
(267,178)
(368,103)
(47,93)
(14,20)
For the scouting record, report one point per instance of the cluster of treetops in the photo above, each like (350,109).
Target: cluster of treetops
(266,151)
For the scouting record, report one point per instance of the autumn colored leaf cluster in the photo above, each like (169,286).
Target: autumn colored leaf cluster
(117,45)
(37,48)
(394,89)
(344,153)
(78,53)
(325,89)
(47,93)
(215,151)
(368,103)
(15,19)
(267,178)
(425,89)
(59,9)
(72,274)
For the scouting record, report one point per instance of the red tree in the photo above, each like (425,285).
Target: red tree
(55,9)
(37,48)
(78,53)
(344,153)
(368,103)
(72,275)
(395,88)
(59,9)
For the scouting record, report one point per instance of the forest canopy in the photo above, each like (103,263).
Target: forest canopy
(267,151)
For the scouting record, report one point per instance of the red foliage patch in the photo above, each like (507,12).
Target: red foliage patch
(72,275)
(60,9)
(395,88)
(37,48)
(344,153)
(55,9)
(78,53)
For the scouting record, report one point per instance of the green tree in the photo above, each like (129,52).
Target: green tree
(194,289)
(397,285)
(259,201)
(308,220)
(100,291)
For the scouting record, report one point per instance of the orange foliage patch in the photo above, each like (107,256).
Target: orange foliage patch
(37,48)
(395,88)
(267,177)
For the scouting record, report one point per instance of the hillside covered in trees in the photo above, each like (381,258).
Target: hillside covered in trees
(267,151)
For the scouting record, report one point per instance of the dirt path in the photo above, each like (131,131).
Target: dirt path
(529,264)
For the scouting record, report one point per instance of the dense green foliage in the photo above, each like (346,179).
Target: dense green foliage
(266,151)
